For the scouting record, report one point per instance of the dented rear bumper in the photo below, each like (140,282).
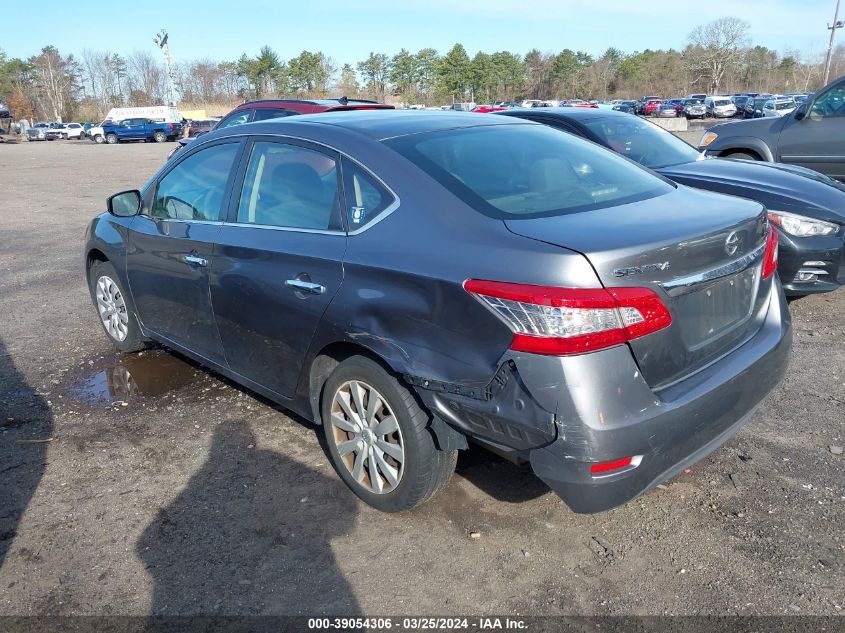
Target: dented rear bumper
(565,413)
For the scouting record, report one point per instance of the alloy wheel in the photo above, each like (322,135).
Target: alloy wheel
(367,436)
(112,308)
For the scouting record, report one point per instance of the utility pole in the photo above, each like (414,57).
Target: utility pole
(837,24)
(161,41)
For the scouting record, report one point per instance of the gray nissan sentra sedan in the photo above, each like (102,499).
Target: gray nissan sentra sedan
(412,280)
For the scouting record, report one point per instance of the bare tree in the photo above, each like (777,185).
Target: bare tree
(716,47)
(146,79)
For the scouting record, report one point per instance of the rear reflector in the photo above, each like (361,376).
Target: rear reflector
(770,257)
(560,321)
(603,468)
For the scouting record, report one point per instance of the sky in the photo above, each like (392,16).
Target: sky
(348,30)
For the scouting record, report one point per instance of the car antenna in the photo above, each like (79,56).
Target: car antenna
(343,100)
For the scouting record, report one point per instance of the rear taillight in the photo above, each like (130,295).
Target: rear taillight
(770,257)
(559,321)
(170,127)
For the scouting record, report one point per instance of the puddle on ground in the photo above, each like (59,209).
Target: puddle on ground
(150,373)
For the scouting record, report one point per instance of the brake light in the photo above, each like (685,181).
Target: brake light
(770,257)
(561,321)
(170,127)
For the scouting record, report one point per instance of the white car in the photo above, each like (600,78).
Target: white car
(719,107)
(779,107)
(531,103)
(71,130)
(96,133)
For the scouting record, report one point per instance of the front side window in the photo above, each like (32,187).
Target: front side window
(193,189)
(525,170)
(291,187)
(239,118)
(831,103)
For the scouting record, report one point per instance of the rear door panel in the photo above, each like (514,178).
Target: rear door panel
(266,324)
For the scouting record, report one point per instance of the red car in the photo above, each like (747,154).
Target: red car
(487,108)
(198,126)
(274,108)
(651,106)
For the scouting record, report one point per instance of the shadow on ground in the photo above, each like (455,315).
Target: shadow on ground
(26,426)
(499,478)
(248,535)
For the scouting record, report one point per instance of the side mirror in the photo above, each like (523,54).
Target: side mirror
(801,111)
(125,204)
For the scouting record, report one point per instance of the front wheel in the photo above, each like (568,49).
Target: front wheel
(378,438)
(742,156)
(114,307)
(111,139)
(160,137)
(99,140)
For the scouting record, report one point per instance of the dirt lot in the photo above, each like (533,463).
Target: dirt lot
(179,493)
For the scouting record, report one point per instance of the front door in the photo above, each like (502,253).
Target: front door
(818,140)
(278,260)
(171,249)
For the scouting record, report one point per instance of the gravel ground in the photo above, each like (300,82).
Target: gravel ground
(176,492)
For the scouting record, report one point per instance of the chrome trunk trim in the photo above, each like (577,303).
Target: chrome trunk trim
(683,285)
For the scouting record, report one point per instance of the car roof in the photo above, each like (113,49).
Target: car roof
(312,105)
(575,114)
(384,124)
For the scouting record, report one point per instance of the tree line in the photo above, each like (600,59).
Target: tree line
(718,57)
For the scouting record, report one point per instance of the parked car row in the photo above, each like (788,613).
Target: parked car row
(608,320)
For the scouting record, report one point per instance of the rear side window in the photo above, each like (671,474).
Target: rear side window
(262,114)
(289,186)
(525,170)
(366,198)
(193,189)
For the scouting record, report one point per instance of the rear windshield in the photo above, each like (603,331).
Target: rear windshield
(526,170)
(721,102)
(642,141)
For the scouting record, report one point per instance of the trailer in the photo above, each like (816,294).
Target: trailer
(168,114)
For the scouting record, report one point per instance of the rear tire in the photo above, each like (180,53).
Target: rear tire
(115,309)
(160,137)
(412,469)
(99,140)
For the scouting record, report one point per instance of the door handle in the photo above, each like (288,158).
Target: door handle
(305,286)
(193,260)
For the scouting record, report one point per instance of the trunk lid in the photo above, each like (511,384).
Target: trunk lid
(700,252)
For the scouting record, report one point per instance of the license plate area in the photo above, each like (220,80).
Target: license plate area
(717,308)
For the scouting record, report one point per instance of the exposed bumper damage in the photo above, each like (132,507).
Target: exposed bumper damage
(566,413)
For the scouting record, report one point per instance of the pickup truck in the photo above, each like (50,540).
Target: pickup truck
(140,130)
(42,131)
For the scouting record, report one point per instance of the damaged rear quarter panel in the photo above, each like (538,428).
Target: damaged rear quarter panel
(402,295)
